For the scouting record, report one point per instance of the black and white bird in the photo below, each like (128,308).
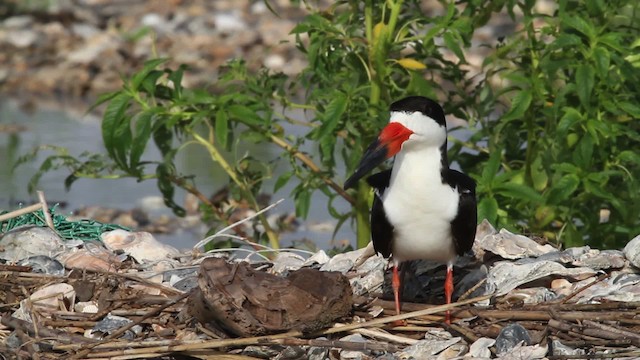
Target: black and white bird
(422,209)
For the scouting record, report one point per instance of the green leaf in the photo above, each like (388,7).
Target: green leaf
(629,156)
(222,129)
(563,188)
(114,115)
(488,209)
(630,108)
(150,81)
(578,23)
(519,105)
(331,116)
(571,116)
(582,156)
(491,168)
(602,58)
(282,180)
(518,191)
(585,79)
(564,41)
(538,174)
(244,114)
(165,172)
(303,202)
(176,78)
(103,98)
(163,137)
(149,66)
(141,137)
(453,43)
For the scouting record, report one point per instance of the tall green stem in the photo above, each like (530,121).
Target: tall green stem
(246,193)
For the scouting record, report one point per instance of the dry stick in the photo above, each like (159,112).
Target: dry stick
(473,288)
(45,210)
(377,334)
(613,329)
(429,311)
(123,329)
(19,212)
(585,287)
(619,355)
(345,345)
(17,324)
(211,344)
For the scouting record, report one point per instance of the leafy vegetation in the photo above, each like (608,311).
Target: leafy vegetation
(551,115)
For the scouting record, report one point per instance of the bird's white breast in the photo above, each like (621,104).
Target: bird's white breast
(420,206)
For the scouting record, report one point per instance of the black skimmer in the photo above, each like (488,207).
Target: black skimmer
(422,209)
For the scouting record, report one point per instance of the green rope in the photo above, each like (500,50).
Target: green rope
(85,230)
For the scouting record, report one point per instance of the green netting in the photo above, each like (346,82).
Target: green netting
(83,229)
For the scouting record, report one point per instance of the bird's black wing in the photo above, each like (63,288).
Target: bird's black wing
(463,226)
(381,229)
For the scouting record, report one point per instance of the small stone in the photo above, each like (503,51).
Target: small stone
(510,336)
(26,241)
(632,251)
(18,22)
(43,265)
(342,262)
(142,246)
(480,348)
(425,349)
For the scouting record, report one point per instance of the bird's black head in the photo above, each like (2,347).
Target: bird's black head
(422,104)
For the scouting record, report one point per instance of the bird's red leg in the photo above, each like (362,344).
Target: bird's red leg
(448,290)
(395,284)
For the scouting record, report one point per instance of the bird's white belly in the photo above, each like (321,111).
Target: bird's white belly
(420,208)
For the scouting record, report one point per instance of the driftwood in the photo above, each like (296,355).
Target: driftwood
(248,302)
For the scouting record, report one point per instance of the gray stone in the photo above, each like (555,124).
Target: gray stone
(26,241)
(510,336)
(632,251)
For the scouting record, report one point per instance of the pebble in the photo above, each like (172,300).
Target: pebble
(43,265)
(511,336)
(632,251)
(141,246)
(26,241)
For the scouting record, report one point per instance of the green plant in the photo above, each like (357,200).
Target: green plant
(565,145)
(555,102)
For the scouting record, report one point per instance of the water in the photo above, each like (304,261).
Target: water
(77,132)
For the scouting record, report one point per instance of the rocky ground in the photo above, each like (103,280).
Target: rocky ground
(123,295)
(77,49)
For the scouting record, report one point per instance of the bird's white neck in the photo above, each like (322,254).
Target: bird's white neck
(417,167)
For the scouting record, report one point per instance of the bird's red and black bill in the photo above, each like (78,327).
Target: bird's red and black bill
(387,145)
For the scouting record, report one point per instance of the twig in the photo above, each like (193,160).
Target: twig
(123,329)
(45,210)
(473,288)
(585,287)
(381,321)
(221,232)
(19,212)
(17,324)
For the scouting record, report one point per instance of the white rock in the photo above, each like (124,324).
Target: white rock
(23,242)
(506,276)
(47,300)
(90,307)
(424,349)
(343,262)
(228,22)
(480,348)
(142,246)
(632,251)
(512,246)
